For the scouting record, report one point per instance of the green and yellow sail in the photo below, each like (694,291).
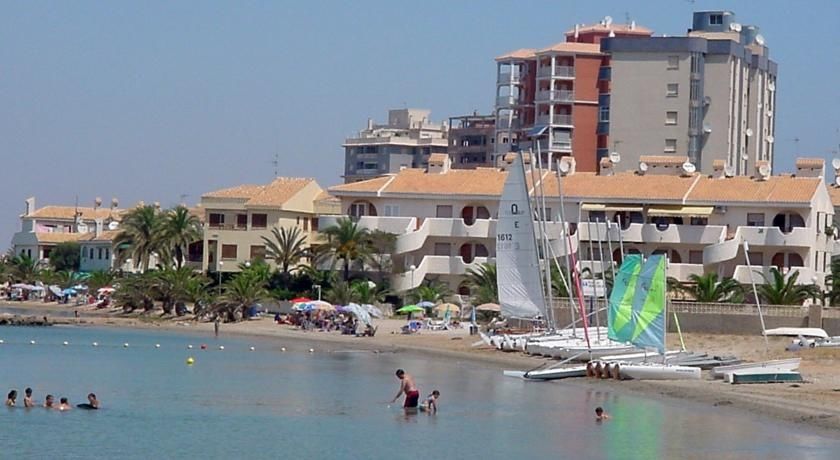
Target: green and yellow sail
(637,303)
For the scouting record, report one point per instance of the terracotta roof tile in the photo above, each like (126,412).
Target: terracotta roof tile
(240,191)
(69,213)
(572,47)
(834,193)
(776,189)
(279,191)
(370,185)
(810,163)
(107,235)
(454,182)
(58,237)
(438,158)
(621,186)
(523,53)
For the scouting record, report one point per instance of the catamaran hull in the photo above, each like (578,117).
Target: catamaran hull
(657,372)
(779,365)
(556,374)
(596,352)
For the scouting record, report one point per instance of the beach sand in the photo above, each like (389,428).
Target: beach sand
(815,402)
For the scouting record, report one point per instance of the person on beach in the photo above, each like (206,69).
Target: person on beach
(430,404)
(216,326)
(407,386)
(49,402)
(27,398)
(92,403)
(600,415)
(64,405)
(11,398)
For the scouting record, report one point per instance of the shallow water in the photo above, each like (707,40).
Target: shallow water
(294,404)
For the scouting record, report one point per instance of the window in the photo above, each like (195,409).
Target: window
(673,62)
(672,90)
(257,252)
(107,253)
(242,221)
(444,211)
(699,221)
(695,257)
(670,146)
(671,118)
(443,249)
(99,254)
(392,210)
(604,114)
(756,258)
(259,220)
(314,224)
(597,216)
(91,254)
(755,219)
(715,19)
(229,251)
(217,220)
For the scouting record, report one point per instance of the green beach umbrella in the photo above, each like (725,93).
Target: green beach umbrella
(410,309)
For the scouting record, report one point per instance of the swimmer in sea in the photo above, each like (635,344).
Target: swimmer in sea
(27,398)
(430,404)
(600,414)
(64,405)
(407,386)
(11,398)
(92,403)
(48,402)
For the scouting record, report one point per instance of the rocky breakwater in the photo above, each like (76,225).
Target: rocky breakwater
(17,320)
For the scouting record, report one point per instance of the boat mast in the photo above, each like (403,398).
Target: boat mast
(549,310)
(567,244)
(592,274)
(757,301)
(531,213)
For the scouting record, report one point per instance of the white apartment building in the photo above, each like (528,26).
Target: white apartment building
(445,219)
(237,218)
(406,141)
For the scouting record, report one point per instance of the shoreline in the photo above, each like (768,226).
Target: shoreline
(815,403)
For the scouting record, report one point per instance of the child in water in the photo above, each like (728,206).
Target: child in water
(430,404)
(600,414)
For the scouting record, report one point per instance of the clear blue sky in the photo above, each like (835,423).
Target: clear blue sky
(152,100)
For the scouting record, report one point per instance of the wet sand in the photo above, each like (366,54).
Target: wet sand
(815,402)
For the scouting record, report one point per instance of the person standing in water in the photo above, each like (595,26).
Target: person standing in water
(48,402)
(11,398)
(92,403)
(407,386)
(27,398)
(216,326)
(600,415)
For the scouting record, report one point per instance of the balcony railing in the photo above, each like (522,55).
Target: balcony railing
(557,95)
(227,227)
(505,123)
(507,101)
(564,145)
(560,71)
(559,119)
(507,78)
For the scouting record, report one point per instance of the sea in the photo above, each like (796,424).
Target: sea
(281,400)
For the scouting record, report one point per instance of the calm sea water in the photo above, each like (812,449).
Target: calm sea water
(272,404)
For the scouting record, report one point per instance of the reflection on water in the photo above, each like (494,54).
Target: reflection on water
(270,404)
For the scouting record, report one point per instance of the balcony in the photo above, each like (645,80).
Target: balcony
(564,145)
(507,101)
(436,266)
(509,78)
(558,119)
(682,272)
(557,95)
(800,237)
(234,227)
(560,71)
(506,123)
(742,274)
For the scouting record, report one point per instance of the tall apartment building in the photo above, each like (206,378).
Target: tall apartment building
(406,141)
(708,95)
(557,90)
(472,141)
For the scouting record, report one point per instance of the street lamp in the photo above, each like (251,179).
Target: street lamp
(221,264)
(318,287)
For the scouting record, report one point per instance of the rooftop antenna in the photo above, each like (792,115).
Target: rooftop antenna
(795,146)
(627,17)
(276,163)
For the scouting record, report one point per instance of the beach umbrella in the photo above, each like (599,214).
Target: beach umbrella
(426,304)
(55,290)
(373,310)
(447,307)
(68,291)
(358,312)
(301,300)
(105,290)
(489,307)
(21,286)
(302,306)
(321,305)
(411,309)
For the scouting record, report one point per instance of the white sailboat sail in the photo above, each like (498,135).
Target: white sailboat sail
(518,270)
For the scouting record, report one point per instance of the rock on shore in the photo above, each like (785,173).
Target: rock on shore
(17,320)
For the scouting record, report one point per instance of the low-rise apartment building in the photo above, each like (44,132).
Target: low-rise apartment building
(237,218)
(472,141)
(445,218)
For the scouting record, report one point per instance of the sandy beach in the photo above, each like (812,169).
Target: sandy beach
(815,402)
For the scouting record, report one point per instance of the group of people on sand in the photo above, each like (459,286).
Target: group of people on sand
(49,401)
(412,395)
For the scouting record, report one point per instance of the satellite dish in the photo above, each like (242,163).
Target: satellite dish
(764,170)
(759,39)
(771,86)
(837,181)
(115,202)
(564,167)
(769,114)
(97,202)
(707,100)
(749,132)
(615,157)
(83,228)
(612,34)
(745,157)
(113,225)
(770,139)
(728,171)
(608,20)
(735,27)
(688,168)
(835,163)
(643,167)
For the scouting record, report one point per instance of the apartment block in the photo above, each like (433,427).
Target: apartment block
(445,219)
(708,95)
(556,92)
(406,141)
(472,141)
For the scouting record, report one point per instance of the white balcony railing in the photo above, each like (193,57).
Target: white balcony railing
(509,78)
(506,101)
(742,274)
(559,71)
(436,266)
(800,237)
(556,95)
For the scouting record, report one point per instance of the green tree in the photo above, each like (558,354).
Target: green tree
(178,230)
(172,286)
(832,282)
(25,269)
(66,256)
(707,288)
(286,246)
(100,279)
(780,290)
(366,292)
(430,291)
(381,246)
(482,284)
(340,293)
(135,291)
(348,242)
(240,292)
(141,231)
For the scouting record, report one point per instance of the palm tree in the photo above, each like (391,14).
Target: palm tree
(348,242)
(178,230)
(381,246)
(172,286)
(100,279)
(240,292)
(366,292)
(340,293)
(258,269)
(430,291)
(707,288)
(286,246)
(141,231)
(134,292)
(779,290)
(25,269)
(558,282)
(832,281)
(482,283)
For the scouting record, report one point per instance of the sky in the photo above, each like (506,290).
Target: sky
(166,100)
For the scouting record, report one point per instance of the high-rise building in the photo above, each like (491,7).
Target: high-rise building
(556,92)
(472,141)
(708,96)
(406,141)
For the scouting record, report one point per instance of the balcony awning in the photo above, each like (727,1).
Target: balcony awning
(610,207)
(680,211)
